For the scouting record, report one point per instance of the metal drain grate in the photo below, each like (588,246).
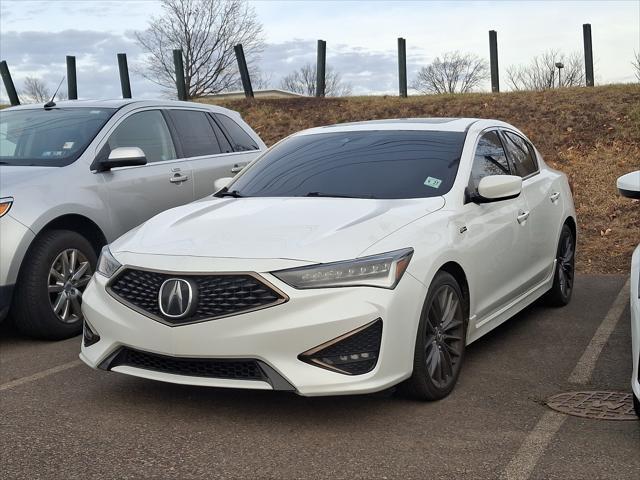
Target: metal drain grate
(598,405)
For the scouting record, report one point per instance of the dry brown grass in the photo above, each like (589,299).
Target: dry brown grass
(592,134)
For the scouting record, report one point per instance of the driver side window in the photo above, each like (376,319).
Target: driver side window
(489,159)
(148,131)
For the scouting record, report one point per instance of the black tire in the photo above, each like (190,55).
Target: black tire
(33,308)
(636,404)
(563,278)
(440,348)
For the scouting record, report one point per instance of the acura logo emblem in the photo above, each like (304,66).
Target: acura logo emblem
(176,298)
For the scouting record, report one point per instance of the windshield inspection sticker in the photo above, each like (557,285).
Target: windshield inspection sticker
(433,182)
(68,145)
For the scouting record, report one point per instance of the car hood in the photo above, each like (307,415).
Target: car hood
(306,229)
(13,178)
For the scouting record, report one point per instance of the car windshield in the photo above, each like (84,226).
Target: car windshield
(383,164)
(54,137)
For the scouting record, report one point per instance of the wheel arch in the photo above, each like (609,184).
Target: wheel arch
(456,271)
(571,223)
(80,224)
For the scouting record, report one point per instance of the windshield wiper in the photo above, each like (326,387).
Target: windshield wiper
(335,195)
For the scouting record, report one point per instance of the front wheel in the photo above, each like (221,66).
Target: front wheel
(48,295)
(440,343)
(636,404)
(562,289)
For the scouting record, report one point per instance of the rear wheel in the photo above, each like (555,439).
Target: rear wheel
(562,289)
(48,295)
(440,343)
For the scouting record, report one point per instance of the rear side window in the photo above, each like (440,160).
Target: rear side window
(148,131)
(195,133)
(240,140)
(521,154)
(490,159)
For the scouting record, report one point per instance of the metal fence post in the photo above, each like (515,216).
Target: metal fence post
(244,71)
(179,68)
(125,85)
(72,82)
(8,83)
(321,68)
(402,67)
(493,60)
(588,54)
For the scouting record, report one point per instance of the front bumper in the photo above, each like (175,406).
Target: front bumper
(15,239)
(274,336)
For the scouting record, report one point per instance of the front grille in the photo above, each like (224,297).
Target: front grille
(217,295)
(233,369)
(354,353)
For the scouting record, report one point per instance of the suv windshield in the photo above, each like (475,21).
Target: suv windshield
(54,138)
(366,164)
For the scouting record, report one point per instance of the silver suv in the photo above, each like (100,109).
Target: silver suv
(76,175)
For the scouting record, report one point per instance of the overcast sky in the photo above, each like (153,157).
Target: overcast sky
(361,37)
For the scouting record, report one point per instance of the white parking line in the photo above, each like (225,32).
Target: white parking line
(525,460)
(586,365)
(39,375)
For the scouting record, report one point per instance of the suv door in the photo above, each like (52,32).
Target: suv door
(544,205)
(135,194)
(494,229)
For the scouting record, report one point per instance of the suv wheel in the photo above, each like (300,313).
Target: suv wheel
(48,295)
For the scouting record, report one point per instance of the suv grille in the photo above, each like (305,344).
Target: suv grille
(217,295)
(193,367)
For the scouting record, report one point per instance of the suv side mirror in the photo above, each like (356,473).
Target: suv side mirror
(122,157)
(629,185)
(497,187)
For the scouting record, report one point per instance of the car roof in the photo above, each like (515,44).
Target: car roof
(433,123)
(119,103)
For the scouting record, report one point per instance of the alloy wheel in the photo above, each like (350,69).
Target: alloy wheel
(68,276)
(445,336)
(566,260)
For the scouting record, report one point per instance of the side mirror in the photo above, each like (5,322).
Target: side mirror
(123,157)
(629,185)
(220,183)
(497,187)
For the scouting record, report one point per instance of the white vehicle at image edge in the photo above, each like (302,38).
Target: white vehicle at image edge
(345,259)
(629,186)
(76,175)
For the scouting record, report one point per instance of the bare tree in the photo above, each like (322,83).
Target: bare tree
(34,90)
(454,72)
(636,65)
(541,73)
(206,31)
(303,81)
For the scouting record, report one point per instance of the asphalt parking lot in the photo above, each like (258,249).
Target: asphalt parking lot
(61,419)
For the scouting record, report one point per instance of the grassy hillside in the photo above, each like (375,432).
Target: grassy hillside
(592,134)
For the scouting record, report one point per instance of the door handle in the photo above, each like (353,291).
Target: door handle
(237,168)
(522,217)
(177,178)
(554,197)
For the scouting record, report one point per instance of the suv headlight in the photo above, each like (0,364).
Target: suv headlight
(107,265)
(384,270)
(5,205)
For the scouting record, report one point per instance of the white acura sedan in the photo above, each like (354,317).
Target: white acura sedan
(345,259)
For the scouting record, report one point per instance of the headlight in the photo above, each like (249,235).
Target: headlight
(5,205)
(384,270)
(107,265)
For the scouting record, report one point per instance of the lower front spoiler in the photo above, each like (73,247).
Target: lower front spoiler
(214,372)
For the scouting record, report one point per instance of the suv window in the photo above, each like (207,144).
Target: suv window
(148,131)
(520,154)
(490,159)
(362,164)
(240,140)
(195,133)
